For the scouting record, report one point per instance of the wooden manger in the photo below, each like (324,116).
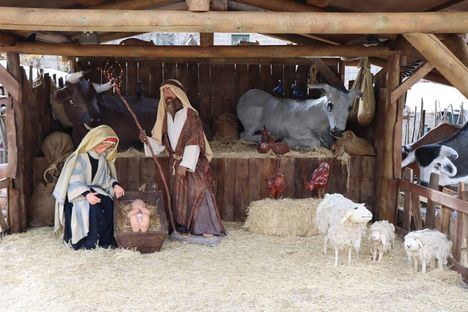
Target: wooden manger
(147,242)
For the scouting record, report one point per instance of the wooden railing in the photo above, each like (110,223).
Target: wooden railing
(440,207)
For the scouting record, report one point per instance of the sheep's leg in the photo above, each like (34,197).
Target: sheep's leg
(415,263)
(349,255)
(423,266)
(374,255)
(325,240)
(440,263)
(336,256)
(357,252)
(380,254)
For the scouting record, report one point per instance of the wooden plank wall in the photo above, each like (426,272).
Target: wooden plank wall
(238,181)
(212,88)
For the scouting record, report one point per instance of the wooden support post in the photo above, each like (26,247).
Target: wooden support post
(408,175)
(442,58)
(390,168)
(18,199)
(460,227)
(430,210)
(342,71)
(206,39)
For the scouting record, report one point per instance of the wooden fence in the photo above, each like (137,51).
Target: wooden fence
(238,181)
(446,211)
(212,88)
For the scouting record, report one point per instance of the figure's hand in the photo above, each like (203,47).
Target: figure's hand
(92,198)
(142,137)
(181,171)
(118,191)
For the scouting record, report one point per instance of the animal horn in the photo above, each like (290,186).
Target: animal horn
(102,87)
(74,77)
(87,127)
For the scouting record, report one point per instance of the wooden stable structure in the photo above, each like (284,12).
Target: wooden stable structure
(323,31)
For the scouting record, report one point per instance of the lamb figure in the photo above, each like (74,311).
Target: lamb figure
(343,222)
(426,246)
(381,239)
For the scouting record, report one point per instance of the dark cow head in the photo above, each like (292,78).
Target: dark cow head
(433,158)
(80,101)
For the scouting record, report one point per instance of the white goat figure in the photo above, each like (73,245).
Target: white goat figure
(426,246)
(343,222)
(381,239)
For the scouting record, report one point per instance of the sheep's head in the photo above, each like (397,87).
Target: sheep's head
(412,243)
(358,213)
(375,235)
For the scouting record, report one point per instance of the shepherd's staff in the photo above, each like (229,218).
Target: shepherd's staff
(107,72)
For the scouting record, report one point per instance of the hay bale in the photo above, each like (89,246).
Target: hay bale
(283,217)
(226,128)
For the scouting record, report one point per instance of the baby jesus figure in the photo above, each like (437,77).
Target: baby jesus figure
(139,216)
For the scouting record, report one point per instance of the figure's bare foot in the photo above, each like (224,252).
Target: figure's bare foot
(207,235)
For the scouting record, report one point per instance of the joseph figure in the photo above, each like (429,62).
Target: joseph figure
(179,130)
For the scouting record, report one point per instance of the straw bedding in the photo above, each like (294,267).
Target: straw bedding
(246,272)
(243,149)
(283,217)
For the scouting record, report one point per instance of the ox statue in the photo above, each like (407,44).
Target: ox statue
(441,132)
(302,123)
(448,158)
(87,107)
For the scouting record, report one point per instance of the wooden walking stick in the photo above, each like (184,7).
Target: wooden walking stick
(108,73)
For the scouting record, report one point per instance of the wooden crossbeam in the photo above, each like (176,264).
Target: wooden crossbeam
(11,85)
(408,83)
(36,19)
(442,58)
(328,74)
(275,51)
(133,5)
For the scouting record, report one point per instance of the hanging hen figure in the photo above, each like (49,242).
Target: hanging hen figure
(319,179)
(276,185)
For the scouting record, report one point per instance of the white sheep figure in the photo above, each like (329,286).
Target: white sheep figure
(381,239)
(343,222)
(426,246)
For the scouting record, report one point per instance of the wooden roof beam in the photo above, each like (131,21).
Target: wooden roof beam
(134,5)
(260,22)
(275,51)
(284,6)
(442,58)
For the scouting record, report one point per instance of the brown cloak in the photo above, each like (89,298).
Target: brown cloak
(193,200)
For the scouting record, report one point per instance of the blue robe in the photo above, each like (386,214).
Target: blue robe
(87,226)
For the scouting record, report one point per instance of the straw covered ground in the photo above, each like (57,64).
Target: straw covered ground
(246,272)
